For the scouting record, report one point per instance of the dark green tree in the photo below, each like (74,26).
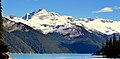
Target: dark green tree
(114,41)
(118,46)
(3,47)
(114,49)
(107,43)
(110,43)
(1,26)
(103,45)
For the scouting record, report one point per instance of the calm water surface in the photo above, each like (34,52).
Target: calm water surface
(53,56)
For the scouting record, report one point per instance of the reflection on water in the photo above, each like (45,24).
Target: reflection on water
(53,56)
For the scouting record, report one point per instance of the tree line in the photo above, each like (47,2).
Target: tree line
(111,48)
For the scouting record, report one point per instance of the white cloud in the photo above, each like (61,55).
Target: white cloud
(106,9)
(116,8)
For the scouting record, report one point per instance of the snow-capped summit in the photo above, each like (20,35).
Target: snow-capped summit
(41,11)
(49,22)
(35,13)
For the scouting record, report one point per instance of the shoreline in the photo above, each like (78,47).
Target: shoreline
(52,53)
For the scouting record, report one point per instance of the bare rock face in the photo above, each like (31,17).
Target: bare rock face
(10,26)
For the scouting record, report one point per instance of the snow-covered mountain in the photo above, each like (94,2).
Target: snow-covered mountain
(49,22)
(24,39)
(98,24)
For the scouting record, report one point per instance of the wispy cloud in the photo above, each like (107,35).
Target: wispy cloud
(116,8)
(107,9)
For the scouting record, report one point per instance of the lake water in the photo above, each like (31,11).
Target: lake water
(53,56)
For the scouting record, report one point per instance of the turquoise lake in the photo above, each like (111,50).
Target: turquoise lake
(53,56)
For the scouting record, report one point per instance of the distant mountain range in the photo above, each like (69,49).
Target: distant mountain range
(48,32)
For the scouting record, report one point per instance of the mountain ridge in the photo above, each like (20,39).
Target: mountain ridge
(48,21)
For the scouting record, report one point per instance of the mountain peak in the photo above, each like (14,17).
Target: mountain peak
(41,11)
(37,12)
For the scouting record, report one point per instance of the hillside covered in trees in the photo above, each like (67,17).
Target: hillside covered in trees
(111,48)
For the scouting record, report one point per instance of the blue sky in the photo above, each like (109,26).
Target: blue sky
(109,9)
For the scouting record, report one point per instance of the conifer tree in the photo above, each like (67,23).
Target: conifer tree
(1,26)
(114,45)
(110,43)
(118,46)
(107,43)
(103,45)
(114,40)
(3,47)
